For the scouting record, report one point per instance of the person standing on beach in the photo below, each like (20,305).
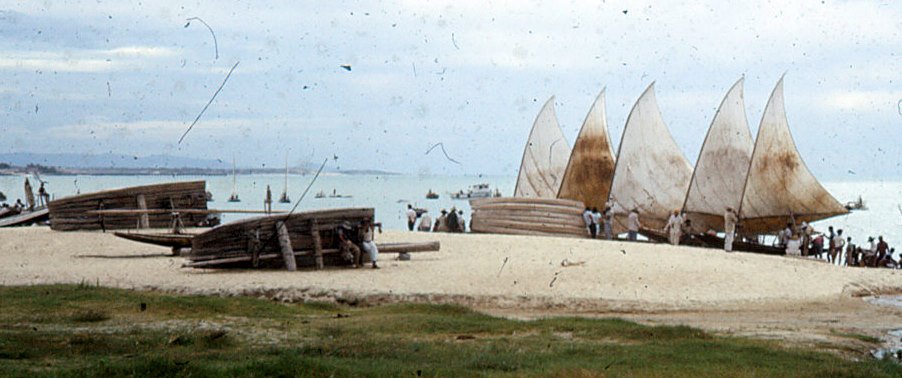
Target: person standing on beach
(729,229)
(633,225)
(674,227)
(830,246)
(850,252)
(608,223)
(425,222)
(596,222)
(267,203)
(411,217)
(462,224)
(806,237)
(440,222)
(43,197)
(838,243)
(369,245)
(587,219)
(882,248)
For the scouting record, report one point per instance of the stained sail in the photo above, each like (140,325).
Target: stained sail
(591,166)
(722,165)
(651,173)
(544,158)
(779,187)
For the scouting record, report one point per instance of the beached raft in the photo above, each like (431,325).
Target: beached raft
(303,239)
(74,213)
(25,218)
(528,216)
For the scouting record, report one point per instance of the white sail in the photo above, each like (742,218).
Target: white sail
(651,173)
(544,158)
(722,165)
(779,187)
(591,167)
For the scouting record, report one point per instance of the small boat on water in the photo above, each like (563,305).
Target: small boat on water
(856,205)
(476,191)
(284,197)
(234,196)
(209,196)
(431,195)
(320,194)
(335,194)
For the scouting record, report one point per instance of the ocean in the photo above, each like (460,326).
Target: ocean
(390,194)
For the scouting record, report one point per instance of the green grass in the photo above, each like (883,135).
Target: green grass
(82,330)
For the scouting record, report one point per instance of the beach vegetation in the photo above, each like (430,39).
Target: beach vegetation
(85,330)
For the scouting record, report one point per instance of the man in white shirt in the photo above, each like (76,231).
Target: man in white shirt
(838,243)
(411,217)
(633,224)
(462,224)
(729,229)
(673,227)
(587,218)
(609,223)
(425,222)
(596,222)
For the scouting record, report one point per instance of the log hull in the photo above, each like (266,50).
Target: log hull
(73,213)
(528,216)
(165,240)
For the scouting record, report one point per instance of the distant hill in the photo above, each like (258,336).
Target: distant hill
(109,161)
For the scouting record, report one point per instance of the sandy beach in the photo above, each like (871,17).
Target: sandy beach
(737,293)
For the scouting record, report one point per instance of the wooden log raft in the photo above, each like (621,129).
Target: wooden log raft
(528,216)
(312,237)
(73,213)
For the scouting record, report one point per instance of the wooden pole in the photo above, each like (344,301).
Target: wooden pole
(285,243)
(143,219)
(317,244)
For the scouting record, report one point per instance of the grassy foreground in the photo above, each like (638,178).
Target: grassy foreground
(78,330)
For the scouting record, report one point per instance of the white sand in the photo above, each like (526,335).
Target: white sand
(469,269)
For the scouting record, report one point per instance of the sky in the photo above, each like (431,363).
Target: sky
(129,77)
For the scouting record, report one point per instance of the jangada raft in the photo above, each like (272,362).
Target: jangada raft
(528,216)
(303,239)
(81,212)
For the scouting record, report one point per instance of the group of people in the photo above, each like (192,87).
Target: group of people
(603,222)
(348,242)
(448,221)
(836,248)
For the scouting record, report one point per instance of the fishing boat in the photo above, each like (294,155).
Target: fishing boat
(76,212)
(431,195)
(590,170)
(650,174)
(161,239)
(234,196)
(858,204)
(320,194)
(482,190)
(528,216)
(544,157)
(284,197)
(303,239)
(722,166)
(779,188)
(40,215)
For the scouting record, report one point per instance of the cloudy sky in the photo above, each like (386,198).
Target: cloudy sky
(129,77)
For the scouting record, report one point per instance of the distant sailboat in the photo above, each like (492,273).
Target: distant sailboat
(722,165)
(651,174)
(591,167)
(779,187)
(544,157)
(284,197)
(234,196)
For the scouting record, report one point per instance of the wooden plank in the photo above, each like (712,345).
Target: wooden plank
(143,219)
(432,246)
(285,243)
(317,244)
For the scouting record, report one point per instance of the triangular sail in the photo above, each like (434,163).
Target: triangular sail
(544,158)
(591,166)
(722,165)
(779,187)
(651,173)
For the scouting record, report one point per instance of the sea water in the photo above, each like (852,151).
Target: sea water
(390,194)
